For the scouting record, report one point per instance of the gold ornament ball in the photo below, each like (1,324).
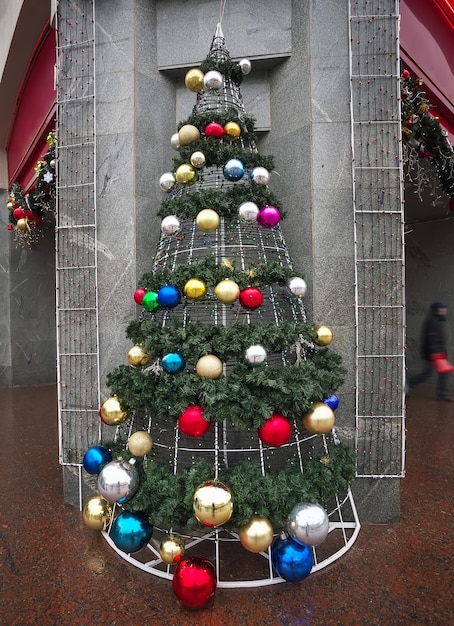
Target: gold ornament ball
(140,443)
(207,220)
(194,80)
(195,289)
(97,513)
(10,206)
(232,131)
(324,335)
(197,159)
(209,366)
(23,224)
(320,420)
(188,133)
(227,291)
(185,174)
(212,503)
(137,356)
(171,549)
(257,534)
(112,413)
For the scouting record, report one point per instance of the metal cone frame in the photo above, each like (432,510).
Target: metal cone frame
(242,243)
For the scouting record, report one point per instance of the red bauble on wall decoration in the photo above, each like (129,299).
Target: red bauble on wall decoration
(251,298)
(275,431)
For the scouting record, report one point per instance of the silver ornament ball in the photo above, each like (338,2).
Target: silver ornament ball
(255,355)
(213,80)
(167,181)
(308,524)
(170,225)
(248,211)
(175,141)
(260,175)
(245,66)
(118,481)
(297,286)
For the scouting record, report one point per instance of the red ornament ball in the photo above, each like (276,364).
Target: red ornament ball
(275,431)
(138,295)
(251,298)
(194,582)
(214,130)
(451,203)
(405,74)
(191,422)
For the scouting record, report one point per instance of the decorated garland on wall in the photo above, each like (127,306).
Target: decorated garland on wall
(30,213)
(422,132)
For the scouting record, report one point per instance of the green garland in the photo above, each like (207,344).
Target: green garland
(225,203)
(230,69)
(202,119)
(247,397)
(212,273)
(218,153)
(167,498)
(226,342)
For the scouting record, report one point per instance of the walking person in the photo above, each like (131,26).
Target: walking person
(433,346)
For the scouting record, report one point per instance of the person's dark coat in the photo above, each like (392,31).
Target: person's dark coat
(433,336)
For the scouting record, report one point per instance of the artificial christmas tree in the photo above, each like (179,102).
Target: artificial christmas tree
(228,384)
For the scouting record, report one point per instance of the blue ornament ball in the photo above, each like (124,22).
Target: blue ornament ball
(332,402)
(95,458)
(131,531)
(168,296)
(172,362)
(292,560)
(234,170)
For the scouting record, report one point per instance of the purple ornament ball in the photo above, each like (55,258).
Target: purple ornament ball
(268,217)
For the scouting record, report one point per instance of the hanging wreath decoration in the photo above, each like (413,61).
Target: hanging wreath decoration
(30,213)
(423,133)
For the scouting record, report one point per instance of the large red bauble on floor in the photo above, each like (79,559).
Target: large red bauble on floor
(194,582)
(275,431)
(251,298)
(191,422)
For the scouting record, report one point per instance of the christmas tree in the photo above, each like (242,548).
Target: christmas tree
(227,406)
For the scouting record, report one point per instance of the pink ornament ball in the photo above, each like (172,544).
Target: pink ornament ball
(268,217)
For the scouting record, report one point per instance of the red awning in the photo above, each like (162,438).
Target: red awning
(33,115)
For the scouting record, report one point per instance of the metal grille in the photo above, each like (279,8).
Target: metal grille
(77,324)
(379,249)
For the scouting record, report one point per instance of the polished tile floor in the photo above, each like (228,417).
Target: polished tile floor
(56,571)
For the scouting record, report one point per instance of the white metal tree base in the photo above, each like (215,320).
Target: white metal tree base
(235,566)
